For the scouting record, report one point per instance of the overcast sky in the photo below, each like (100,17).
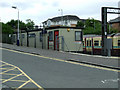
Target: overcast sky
(41,10)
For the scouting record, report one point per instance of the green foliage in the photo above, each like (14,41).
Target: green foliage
(112,30)
(14,24)
(30,24)
(80,24)
(92,26)
(6,29)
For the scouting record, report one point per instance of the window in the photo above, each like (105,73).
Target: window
(78,36)
(40,36)
(118,42)
(31,35)
(101,43)
(23,35)
(96,43)
(51,36)
(88,42)
(83,43)
(66,22)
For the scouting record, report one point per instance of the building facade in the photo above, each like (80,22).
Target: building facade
(67,20)
(115,23)
(53,38)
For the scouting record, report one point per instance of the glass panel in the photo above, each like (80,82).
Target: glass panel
(118,42)
(96,43)
(40,37)
(50,36)
(78,36)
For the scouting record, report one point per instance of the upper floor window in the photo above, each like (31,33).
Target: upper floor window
(49,23)
(66,23)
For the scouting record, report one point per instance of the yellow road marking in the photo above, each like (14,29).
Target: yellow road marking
(5,68)
(64,61)
(3,65)
(24,84)
(94,66)
(22,73)
(8,70)
(15,80)
(30,79)
(9,74)
(11,78)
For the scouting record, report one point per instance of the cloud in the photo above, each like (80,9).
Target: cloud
(39,10)
(55,4)
(4,5)
(23,5)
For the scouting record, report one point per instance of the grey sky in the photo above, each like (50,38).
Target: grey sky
(41,10)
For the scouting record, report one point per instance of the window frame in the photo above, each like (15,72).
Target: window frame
(32,35)
(97,42)
(50,36)
(118,42)
(80,36)
(40,36)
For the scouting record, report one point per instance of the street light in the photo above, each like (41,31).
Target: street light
(18,26)
(61,16)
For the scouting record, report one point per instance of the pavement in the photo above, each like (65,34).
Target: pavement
(111,62)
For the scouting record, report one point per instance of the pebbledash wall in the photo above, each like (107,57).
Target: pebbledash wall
(55,38)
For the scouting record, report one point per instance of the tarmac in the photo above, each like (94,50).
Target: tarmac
(97,60)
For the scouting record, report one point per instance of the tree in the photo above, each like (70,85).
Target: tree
(7,29)
(30,24)
(80,24)
(92,26)
(14,24)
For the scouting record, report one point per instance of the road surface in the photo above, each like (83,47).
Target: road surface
(46,72)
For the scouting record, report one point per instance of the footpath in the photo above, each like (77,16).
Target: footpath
(97,60)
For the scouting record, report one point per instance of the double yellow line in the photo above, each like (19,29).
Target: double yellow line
(86,65)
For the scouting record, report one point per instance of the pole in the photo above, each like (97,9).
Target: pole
(18,26)
(104,31)
(18,29)
(61,16)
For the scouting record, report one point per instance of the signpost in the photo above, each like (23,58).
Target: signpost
(105,10)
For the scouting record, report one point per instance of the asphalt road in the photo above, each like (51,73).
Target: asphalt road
(53,73)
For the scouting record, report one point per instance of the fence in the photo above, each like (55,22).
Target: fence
(8,38)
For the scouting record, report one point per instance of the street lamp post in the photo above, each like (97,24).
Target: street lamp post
(61,16)
(18,26)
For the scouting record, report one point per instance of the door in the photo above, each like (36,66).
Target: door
(85,45)
(56,40)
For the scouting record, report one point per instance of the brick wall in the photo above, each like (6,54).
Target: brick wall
(116,26)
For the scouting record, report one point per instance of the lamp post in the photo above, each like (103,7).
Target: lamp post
(18,26)
(61,16)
